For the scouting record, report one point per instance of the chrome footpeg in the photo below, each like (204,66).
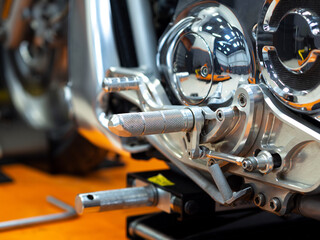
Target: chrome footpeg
(117,84)
(147,123)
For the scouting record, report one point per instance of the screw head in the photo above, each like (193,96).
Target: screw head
(248,165)
(275,204)
(260,200)
(242,100)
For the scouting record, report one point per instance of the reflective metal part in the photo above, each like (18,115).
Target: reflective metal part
(141,230)
(116,199)
(296,141)
(263,162)
(24,222)
(91,35)
(288,43)
(223,156)
(252,120)
(140,13)
(110,84)
(147,123)
(205,55)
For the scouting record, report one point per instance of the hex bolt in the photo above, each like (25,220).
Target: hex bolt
(260,200)
(275,204)
(242,100)
(248,164)
(262,162)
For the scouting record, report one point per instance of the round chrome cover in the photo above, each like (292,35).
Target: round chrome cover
(288,41)
(205,55)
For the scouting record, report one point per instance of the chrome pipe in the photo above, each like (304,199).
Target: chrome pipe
(139,229)
(143,33)
(116,199)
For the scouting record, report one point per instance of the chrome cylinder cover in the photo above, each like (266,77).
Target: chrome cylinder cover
(205,55)
(288,47)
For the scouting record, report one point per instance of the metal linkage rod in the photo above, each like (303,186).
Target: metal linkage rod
(224,156)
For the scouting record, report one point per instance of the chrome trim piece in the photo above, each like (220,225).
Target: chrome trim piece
(304,101)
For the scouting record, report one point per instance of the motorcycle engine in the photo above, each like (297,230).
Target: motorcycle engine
(233,102)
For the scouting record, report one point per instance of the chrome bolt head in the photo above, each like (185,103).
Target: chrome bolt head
(242,100)
(248,165)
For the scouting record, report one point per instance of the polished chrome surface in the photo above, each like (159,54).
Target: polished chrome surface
(116,199)
(140,14)
(92,51)
(263,162)
(237,122)
(295,140)
(205,55)
(147,123)
(117,84)
(288,53)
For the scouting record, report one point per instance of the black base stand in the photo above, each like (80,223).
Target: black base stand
(244,224)
(203,219)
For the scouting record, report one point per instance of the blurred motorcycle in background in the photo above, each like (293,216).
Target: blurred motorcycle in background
(227,92)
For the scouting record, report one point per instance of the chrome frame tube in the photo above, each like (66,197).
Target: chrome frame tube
(92,50)
(143,33)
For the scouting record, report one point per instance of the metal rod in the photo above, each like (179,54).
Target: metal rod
(225,157)
(139,229)
(220,181)
(116,199)
(24,222)
(140,14)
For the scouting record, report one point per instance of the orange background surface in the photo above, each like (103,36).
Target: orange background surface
(26,197)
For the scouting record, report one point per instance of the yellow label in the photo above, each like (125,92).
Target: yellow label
(160,180)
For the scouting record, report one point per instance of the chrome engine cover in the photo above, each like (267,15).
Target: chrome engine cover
(206,55)
(288,48)
(233,120)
